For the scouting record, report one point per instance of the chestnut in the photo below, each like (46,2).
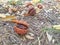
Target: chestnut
(32,11)
(39,6)
(21,27)
(20,31)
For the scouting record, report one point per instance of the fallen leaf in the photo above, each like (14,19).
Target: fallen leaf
(8,18)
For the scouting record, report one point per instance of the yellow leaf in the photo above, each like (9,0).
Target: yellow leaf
(8,18)
(55,26)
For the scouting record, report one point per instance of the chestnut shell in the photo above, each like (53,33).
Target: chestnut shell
(20,31)
(21,27)
(21,22)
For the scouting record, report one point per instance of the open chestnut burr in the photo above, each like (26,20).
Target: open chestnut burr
(21,27)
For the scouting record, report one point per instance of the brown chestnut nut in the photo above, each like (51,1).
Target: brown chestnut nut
(31,11)
(39,6)
(21,27)
(20,31)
